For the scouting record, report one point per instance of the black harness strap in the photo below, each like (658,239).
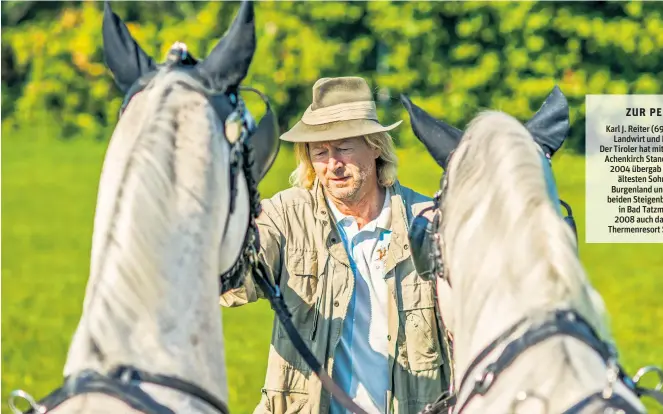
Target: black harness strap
(490,348)
(123,383)
(615,401)
(133,375)
(563,322)
(88,382)
(656,394)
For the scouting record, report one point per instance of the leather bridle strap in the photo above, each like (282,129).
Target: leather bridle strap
(657,395)
(563,322)
(92,382)
(615,401)
(127,374)
(122,383)
(275,298)
(490,348)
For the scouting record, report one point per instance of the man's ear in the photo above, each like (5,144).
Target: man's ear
(124,57)
(376,153)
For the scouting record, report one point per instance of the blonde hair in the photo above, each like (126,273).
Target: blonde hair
(387,163)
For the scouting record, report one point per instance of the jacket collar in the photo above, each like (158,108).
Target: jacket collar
(399,248)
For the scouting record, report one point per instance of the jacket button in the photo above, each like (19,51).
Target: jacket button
(333,239)
(406,247)
(324,211)
(388,337)
(336,303)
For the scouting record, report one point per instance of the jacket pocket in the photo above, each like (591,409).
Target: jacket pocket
(420,327)
(285,390)
(278,402)
(301,281)
(298,285)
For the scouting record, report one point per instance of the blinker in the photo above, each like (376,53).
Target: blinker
(265,139)
(421,239)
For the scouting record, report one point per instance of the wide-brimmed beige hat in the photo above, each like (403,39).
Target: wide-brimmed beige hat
(342,108)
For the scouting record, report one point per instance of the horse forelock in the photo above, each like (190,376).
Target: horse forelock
(162,199)
(497,208)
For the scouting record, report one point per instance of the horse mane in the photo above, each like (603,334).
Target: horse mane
(503,237)
(152,223)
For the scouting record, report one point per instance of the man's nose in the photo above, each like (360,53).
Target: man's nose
(333,163)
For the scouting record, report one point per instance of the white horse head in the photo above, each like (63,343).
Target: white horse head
(173,210)
(508,258)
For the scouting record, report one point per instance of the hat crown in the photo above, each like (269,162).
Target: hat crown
(334,91)
(341,108)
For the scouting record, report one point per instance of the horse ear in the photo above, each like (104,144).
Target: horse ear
(440,138)
(124,57)
(228,63)
(550,125)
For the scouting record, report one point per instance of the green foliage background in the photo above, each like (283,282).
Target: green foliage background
(59,106)
(453,58)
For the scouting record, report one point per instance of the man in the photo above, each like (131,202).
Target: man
(336,244)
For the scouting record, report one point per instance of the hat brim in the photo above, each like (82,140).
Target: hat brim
(332,131)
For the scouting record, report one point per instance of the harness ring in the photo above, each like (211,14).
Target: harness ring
(647,369)
(27,397)
(485,379)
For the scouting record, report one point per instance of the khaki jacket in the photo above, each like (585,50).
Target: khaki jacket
(305,256)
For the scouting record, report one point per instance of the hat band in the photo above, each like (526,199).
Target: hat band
(341,112)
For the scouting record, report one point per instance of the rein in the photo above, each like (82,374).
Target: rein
(275,298)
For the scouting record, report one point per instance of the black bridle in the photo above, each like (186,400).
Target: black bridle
(556,323)
(122,383)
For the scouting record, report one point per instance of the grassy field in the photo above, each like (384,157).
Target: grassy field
(48,197)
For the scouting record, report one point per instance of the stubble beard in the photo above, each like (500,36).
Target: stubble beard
(353,194)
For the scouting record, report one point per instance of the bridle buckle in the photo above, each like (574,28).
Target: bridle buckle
(485,379)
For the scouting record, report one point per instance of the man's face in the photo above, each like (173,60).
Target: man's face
(344,167)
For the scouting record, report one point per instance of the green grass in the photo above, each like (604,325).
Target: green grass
(48,198)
